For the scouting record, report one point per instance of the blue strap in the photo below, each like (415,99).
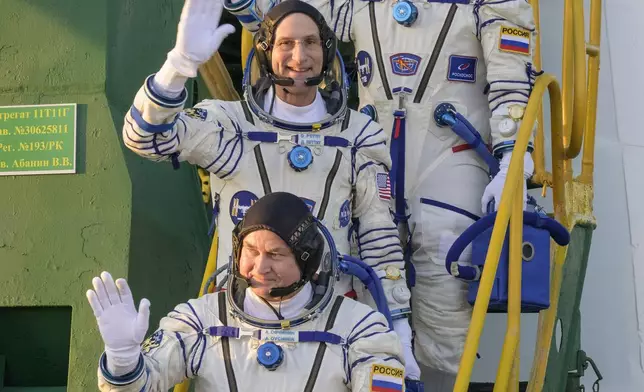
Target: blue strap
(397,178)
(319,336)
(265,137)
(146,126)
(224,331)
(397,173)
(272,137)
(335,141)
(302,336)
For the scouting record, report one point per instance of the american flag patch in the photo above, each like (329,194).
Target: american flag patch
(384,186)
(386,379)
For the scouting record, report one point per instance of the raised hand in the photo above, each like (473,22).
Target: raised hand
(122,327)
(199,35)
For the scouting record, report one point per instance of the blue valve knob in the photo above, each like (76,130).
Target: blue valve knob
(270,355)
(300,158)
(441,110)
(405,12)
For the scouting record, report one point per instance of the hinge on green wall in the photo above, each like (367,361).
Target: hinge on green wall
(583,361)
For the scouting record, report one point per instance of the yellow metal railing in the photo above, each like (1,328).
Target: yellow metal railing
(573,120)
(592,49)
(576,204)
(512,189)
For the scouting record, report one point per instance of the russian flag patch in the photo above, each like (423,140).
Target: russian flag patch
(386,378)
(515,40)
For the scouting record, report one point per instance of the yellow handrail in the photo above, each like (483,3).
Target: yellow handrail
(579,95)
(515,175)
(592,49)
(539,143)
(573,147)
(578,206)
(567,67)
(509,355)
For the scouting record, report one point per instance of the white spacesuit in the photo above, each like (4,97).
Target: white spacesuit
(411,57)
(334,158)
(235,340)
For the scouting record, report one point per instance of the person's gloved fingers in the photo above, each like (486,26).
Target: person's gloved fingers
(485,200)
(191,7)
(412,370)
(101,293)
(200,6)
(110,287)
(220,35)
(125,292)
(185,11)
(97,308)
(214,10)
(142,319)
(412,373)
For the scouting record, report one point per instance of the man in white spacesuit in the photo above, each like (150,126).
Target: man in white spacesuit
(292,133)
(277,327)
(413,56)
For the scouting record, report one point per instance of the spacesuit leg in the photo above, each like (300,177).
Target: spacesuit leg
(443,206)
(436,380)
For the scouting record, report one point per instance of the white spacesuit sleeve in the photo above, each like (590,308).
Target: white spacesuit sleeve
(374,355)
(338,15)
(170,355)
(207,135)
(507,33)
(377,236)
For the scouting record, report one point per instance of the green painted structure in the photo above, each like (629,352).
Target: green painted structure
(120,213)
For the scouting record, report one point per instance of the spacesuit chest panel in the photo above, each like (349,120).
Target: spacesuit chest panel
(324,184)
(295,369)
(392,56)
(292,374)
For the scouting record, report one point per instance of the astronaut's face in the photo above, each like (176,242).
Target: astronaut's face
(297,54)
(268,262)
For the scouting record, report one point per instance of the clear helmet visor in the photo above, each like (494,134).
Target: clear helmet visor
(322,288)
(333,87)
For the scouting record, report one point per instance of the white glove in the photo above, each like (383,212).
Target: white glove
(122,327)
(403,330)
(494,189)
(198,38)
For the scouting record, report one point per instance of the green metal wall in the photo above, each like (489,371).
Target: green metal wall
(566,362)
(120,213)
